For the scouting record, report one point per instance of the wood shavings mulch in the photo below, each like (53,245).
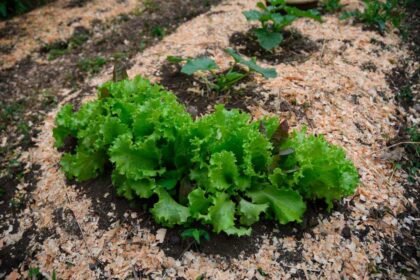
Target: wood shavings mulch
(53,23)
(333,93)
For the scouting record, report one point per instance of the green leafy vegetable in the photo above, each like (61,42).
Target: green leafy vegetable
(198,64)
(274,18)
(222,170)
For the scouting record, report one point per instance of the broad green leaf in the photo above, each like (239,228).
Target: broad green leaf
(262,6)
(313,14)
(167,211)
(221,215)
(266,72)
(111,128)
(174,59)
(287,205)
(198,203)
(268,39)
(250,212)
(252,15)
(198,64)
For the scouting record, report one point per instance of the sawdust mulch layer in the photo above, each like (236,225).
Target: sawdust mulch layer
(337,79)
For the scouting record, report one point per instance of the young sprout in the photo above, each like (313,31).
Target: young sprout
(274,18)
(332,6)
(196,234)
(221,82)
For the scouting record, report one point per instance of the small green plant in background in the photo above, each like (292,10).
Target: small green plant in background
(158,32)
(92,65)
(376,14)
(405,95)
(56,53)
(60,48)
(332,6)
(196,234)
(9,8)
(221,82)
(34,273)
(274,18)
(151,5)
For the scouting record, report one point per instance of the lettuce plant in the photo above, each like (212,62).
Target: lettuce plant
(223,170)
(274,18)
(221,82)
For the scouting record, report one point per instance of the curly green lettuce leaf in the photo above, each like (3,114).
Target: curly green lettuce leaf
(65,125)
(135,160)
(167,211)
(257,156)
(323,170)
(223,172)
(250,212)
(83,165)
(111,128)
(221,215)
(287,205)
(198,203)
(118,181)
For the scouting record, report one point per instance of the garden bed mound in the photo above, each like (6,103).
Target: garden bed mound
(329,91)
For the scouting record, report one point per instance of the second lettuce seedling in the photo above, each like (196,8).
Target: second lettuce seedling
(222,82)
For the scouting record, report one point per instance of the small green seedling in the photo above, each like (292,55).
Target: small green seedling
(221,82)
(376,14)
(35,274)
(92,65)
(196,234)
(274,18)
(332,6)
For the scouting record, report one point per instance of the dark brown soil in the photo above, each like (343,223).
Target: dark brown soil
(296,48)
(201,103)
(15,8)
